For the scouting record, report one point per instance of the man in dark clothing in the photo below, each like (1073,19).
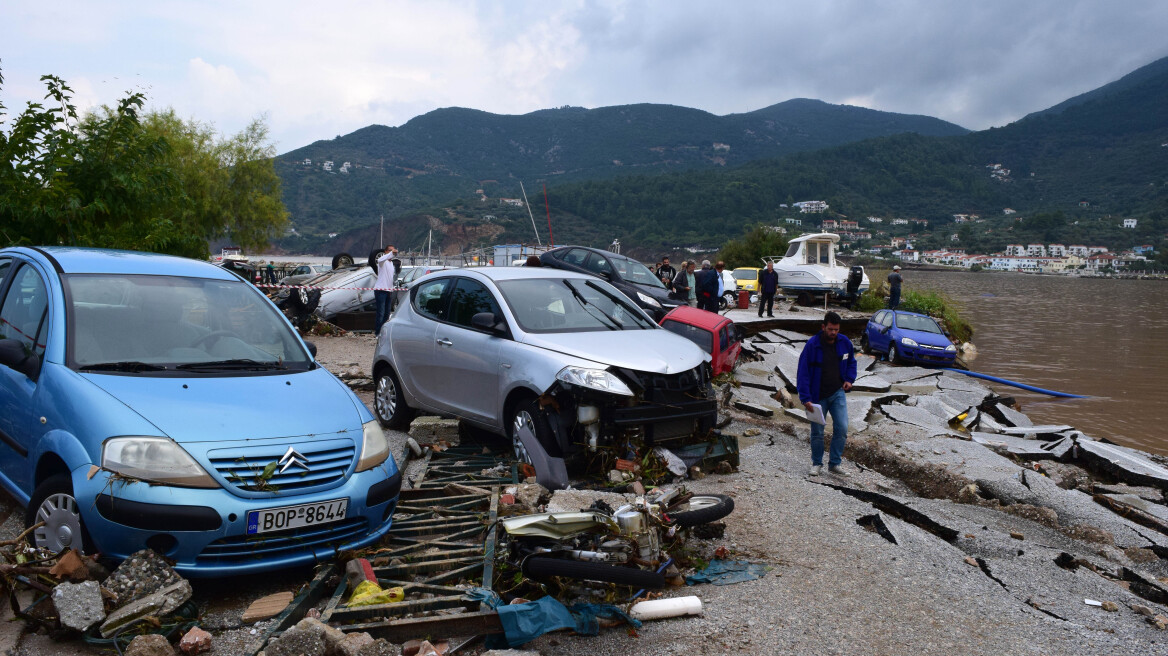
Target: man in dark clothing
(706,282)
(894,281)
(768,286)
(827,369)
(666,273)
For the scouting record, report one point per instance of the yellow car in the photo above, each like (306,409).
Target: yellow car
(747,278)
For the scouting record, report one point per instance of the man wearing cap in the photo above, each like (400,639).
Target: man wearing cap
(894,281)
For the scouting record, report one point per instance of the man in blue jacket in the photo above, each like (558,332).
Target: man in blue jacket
(706,281)
(827,369)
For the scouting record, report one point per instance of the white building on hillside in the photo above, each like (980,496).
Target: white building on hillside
(1129,223)
(1079,250)
(1036,250)
(1015,250)
(1056,250)
(807,206)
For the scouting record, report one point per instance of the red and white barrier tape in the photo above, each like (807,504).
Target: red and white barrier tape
(365,289)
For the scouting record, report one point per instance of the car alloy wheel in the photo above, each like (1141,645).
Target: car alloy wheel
(893,356)
(386,398)
(62,529)
(388,402)
(524,426)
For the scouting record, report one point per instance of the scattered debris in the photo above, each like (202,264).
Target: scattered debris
(266,607)
(150,644)
(79,605)
(196,641)
(727,572)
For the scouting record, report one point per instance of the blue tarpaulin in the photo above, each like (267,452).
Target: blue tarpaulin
(725,572)
(525,622)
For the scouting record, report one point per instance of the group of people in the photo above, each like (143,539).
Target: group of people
(700,288)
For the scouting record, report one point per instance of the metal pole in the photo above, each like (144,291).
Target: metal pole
(534,229)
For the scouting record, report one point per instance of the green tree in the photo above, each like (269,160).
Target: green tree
(748,251)
(115,180)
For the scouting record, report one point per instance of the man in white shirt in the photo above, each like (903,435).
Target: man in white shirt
(387,269)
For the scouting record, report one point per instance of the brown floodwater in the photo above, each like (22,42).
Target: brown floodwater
(1094,336)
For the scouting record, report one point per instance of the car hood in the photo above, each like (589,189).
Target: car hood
(923,338)
(209,409)
(653,351)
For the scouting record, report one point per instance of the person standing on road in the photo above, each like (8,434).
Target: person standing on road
(387,268)
(666,273)
(720,267)
(707,287)
(683,285)
(894,281)
(270,272)
(827,369)
(768,286)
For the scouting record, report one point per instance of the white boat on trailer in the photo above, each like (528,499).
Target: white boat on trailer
(809,270)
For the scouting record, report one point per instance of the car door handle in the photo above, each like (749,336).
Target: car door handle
(442,341)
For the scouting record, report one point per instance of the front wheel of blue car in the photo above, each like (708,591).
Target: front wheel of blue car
(893,354)
(53,504)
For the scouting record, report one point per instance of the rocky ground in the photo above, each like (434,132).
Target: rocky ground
(960,529)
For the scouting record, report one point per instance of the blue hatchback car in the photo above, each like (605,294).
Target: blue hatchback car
(150,401)
(908,337)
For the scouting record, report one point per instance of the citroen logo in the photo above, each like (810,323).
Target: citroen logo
(292,457)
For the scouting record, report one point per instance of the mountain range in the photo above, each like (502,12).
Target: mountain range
(660,174)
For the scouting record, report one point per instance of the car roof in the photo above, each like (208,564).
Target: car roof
(912,314)
(595,250)
(497,273)
(70,259)
(694,317)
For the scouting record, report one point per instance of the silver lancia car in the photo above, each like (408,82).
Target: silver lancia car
(560,363)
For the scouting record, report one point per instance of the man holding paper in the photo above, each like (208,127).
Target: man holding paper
(827,369)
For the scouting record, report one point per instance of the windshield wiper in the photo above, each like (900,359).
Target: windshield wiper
(128,365)
(634,311)
(239,363)
(606,321)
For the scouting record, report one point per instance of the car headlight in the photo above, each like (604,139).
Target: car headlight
(908,342)
(648,300)
(374,446)
(951,348)
(154,459)
(597,379)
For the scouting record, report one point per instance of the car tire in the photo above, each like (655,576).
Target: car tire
(893,354)
(544,567)
(303,301)
(704,508)
(53,503)
(527,415)
(341,260)
(389,401)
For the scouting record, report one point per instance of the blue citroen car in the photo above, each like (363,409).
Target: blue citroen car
(908,337)
(150,401)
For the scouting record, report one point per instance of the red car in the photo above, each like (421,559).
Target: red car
(714,333)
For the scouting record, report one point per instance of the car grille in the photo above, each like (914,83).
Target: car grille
(242,467)
(671,388)
(244,548)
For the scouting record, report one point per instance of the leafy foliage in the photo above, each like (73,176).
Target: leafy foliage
(941,307)
(748,250)
(116,179)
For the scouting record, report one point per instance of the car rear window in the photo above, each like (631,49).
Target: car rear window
(703,338)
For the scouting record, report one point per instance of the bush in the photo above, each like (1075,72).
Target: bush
(940,307)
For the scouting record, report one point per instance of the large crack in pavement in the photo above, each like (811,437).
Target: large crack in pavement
(897,509)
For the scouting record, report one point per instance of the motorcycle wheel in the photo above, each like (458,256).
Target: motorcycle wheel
(703,509)
(542,567)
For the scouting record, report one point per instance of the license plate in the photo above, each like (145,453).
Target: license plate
(289,517)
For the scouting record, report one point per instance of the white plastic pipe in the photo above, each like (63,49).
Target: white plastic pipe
(658,609)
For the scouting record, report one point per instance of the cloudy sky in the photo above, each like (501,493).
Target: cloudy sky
(319,69)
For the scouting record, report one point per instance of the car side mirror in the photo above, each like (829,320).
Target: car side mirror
(884,330)
(488,322)
(311,348)
(15,355)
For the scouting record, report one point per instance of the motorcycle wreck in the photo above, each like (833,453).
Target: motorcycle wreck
(630,545)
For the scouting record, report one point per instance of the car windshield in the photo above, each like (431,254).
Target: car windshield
(558,305)
(922,324)
(140,323)
(745,274)
(634,271)
(700,336)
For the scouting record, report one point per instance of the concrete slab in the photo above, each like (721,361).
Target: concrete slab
(1073,507)
(1126,464)
(955,381)
(962,400)
(1159,511)
(871,383)
(937,406)
(1018,446)
(1013,417)
(1146,493)
(1049,432)
(786,363)
(757,374)
(962,457)
(988,424)
(864,362)
(897,374)
(916,416)
(792,336)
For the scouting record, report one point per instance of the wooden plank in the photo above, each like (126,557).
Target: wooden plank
(463,624)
